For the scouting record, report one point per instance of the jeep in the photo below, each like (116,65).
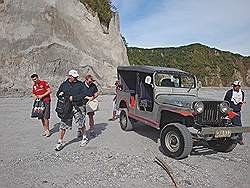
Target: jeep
(167,99)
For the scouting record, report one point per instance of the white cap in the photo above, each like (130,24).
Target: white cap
(73,73)
(237,83)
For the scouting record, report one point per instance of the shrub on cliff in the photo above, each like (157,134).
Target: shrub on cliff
(102,7)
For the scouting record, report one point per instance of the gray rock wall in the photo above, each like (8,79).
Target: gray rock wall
(50,37)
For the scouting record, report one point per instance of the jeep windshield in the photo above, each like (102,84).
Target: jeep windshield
(175,80)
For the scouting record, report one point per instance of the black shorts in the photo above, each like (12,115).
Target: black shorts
(46,113)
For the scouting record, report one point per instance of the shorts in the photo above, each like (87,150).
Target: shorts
(46,112)
(79,116)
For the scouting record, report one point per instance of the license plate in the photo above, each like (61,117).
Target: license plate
(222,133)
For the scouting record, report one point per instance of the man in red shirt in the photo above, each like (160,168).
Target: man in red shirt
(41,90)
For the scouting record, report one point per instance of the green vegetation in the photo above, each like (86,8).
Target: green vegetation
(102,7)
(208,64)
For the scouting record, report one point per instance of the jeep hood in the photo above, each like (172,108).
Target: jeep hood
(184,101)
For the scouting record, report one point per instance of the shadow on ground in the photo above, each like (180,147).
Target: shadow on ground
(55,128)
(202,150)
(98,130)
(147,131)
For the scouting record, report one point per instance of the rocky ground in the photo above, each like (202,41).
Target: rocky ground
(112,159)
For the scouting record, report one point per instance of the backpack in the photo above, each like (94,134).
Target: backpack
(64,108)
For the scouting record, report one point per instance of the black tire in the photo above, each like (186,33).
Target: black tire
(176,141)
(224,145)
(126,123)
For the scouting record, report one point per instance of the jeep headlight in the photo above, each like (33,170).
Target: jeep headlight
(199,107)
(224,108)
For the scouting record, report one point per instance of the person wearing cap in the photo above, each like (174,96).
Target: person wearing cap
(41,90)
(235,97)
(73,89)
(92,93)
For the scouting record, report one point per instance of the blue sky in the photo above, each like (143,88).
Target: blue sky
(223,24)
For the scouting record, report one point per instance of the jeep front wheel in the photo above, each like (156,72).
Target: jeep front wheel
(224,145)
(126,123)
(176,141)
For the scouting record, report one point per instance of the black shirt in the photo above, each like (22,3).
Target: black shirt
(74,89)
(89,91)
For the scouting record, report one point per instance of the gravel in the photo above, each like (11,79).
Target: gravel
(112,159)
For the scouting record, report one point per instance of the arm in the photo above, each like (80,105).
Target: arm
(34,96)
(60,91)
(227,96)
(243,99)
(96,94)
(45,94)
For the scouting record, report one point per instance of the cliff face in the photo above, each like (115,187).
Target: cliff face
(50,37)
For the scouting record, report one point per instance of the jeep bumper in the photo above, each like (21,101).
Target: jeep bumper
(223,131)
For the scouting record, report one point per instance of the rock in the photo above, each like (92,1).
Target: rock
(50,37)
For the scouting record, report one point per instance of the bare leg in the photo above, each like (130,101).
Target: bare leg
(45,123)
(114,115)
(83,130)
(61,134)
(91,120)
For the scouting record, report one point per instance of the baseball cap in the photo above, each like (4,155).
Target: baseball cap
(237,83)
(73,73)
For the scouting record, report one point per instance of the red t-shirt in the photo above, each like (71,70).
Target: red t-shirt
(40,88)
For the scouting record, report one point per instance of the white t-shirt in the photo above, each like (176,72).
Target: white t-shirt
(237,97)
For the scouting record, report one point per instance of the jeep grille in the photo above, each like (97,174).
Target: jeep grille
(211,114)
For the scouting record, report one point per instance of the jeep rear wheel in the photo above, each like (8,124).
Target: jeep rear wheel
(225,145)
(176,141)
(126,123)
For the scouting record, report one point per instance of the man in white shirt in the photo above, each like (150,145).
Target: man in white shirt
(235,97)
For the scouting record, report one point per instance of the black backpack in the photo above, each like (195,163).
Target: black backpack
(64,108)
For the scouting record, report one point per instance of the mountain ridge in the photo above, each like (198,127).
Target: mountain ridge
(212,66)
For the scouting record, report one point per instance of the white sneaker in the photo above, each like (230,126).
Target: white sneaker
(84,141)
(59,146)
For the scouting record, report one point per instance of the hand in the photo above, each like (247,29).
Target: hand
(34,97)
(88,98)
(71,98)
(39,97)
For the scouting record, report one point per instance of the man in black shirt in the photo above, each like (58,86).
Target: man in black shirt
(91,92)
(73,90)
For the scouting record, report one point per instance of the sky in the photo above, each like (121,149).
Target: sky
(223,24)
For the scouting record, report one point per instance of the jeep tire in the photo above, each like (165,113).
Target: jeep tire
(176,141)
(126,122)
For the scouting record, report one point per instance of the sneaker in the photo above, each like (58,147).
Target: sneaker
(79,133)
(47,133)
(59,146)
(84,142)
